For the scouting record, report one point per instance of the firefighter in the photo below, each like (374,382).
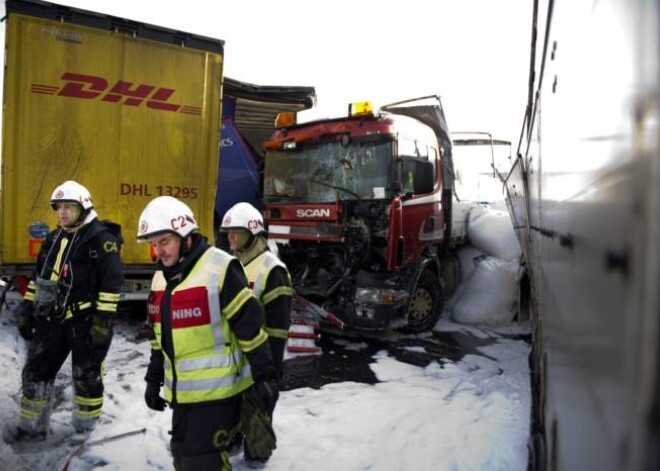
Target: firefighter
(208,345)
(270,282)
(69,306)
(267,274)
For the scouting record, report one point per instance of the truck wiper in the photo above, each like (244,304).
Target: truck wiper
(345,190)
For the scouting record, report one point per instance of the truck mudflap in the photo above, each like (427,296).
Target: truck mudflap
(306,318)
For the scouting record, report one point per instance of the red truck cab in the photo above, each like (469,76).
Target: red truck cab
(359,207)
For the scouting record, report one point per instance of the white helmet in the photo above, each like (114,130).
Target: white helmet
(71,192)
(243,216)
(166,214)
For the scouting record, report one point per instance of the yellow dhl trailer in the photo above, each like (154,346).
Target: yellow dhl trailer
(130,110)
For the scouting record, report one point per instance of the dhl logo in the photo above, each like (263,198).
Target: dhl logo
(89,87)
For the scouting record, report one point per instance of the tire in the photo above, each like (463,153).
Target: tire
(425,304)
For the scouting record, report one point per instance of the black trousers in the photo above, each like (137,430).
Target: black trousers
(50,347)
(202,434)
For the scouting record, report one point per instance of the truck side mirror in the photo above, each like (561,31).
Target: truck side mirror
(424,177)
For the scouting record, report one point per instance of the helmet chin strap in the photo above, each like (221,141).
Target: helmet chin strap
(247,243)
(71,228)
(252,248)
(184,248)
(184,251)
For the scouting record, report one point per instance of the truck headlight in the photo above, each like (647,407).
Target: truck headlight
(374,295)
(370,295)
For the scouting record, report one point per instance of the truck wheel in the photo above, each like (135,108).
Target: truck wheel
(425,304)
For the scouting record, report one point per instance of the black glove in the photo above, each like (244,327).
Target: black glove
(264,395)
(27,324)
(100,334)
(256,422)
(152,397)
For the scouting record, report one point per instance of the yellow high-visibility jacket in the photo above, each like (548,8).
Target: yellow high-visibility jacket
(208,363)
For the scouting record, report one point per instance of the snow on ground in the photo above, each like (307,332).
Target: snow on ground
(465,414)
(471,414)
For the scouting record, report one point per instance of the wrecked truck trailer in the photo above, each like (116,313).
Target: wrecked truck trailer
(128,109)
(131,110)
(585,203)
(248,114)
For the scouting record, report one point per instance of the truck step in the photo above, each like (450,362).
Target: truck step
(302,345)
(303,331)
(304,335)
(295,349)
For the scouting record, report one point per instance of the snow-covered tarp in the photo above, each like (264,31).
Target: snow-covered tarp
(490,270)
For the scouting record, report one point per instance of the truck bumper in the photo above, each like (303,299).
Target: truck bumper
(374,315)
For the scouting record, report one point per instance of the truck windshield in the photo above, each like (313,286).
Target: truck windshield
(325,172)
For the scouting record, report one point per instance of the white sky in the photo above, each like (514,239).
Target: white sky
(473,53)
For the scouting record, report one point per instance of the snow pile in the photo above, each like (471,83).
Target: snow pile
(490,295)
(470,256)
(490,270)
(491,231)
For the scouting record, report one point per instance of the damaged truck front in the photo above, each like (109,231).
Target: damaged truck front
(361,210)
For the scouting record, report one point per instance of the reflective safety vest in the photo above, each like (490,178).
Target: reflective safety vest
(257,274)
(208,363)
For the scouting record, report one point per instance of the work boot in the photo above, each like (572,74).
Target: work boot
(83,425)
(15,434)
